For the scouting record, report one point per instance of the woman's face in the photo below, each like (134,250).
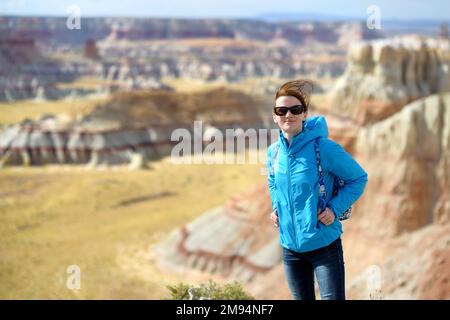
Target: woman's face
(290,123)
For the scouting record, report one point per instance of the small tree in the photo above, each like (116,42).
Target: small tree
(209,291)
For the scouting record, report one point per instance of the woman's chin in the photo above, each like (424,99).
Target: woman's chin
(290,128)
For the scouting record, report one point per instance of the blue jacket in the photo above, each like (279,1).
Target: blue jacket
(294,188)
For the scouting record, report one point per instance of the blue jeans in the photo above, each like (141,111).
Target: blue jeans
(328,265)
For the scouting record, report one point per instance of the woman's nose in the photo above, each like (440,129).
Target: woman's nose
(289,114)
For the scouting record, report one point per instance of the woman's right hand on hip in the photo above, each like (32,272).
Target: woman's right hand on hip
(274,218)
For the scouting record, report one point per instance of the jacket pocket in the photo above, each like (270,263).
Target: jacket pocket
(310,225)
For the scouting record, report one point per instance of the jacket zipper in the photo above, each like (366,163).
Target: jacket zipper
(290,198)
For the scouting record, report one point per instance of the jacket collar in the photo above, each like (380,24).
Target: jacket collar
(313,128)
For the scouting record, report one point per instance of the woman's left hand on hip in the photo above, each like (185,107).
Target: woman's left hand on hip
(326,217)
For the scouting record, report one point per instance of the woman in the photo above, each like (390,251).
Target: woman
(311,240)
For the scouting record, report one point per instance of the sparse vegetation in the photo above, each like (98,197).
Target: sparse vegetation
(209,291)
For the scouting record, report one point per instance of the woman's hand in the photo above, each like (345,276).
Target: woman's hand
(327,217)
(274,218)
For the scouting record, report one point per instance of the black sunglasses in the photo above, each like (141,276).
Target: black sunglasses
(282,111)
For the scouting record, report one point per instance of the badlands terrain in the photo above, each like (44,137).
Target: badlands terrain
(86,176)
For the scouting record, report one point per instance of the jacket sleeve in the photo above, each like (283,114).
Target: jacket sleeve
(342,165)
(271,178)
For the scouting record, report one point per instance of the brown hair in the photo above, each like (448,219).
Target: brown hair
(301,89)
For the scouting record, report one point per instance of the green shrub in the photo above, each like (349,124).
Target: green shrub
(209,291)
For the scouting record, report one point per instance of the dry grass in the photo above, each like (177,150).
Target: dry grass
(86,83)
(53,217)
(13,112)
(189,85)
(246,85)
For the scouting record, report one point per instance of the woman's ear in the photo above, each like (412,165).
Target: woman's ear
(274,118)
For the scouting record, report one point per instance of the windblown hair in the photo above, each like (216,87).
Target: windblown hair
(301,89)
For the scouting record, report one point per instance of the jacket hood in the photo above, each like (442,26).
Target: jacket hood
(313,128)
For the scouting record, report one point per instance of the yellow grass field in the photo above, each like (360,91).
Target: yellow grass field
(13,112)
(56,216)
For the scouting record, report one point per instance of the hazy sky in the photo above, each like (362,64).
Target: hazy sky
(398,9)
